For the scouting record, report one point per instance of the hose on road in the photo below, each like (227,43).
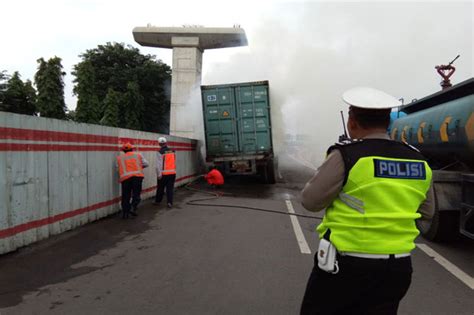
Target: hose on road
(218,194)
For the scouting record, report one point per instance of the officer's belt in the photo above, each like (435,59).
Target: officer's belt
(374,256)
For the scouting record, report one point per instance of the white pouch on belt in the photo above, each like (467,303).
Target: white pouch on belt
(327,257)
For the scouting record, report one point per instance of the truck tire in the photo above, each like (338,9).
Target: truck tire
(444,225)
(269,172)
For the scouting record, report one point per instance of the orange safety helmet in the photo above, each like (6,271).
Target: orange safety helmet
(127,147)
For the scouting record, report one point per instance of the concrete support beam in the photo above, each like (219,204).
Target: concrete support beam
(188,44)
(185,41)
(185,107)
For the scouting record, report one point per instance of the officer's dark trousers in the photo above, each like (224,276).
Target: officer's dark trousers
(131,187)
(362,286)
(166,182)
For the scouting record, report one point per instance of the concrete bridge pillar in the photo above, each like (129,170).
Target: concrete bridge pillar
(188,44)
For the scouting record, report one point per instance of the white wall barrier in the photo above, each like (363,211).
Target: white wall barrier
(57,175)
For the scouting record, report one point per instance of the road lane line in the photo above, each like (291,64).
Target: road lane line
(458,273)
(304,248)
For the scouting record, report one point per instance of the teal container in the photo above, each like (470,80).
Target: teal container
(237,120)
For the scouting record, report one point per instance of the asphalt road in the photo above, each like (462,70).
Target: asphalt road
(204,260)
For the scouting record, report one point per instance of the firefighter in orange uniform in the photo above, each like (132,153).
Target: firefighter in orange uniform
(165,172)
(131,165)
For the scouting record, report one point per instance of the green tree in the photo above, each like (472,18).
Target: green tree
(112,103)
(19,97)
(71,115)
(88,107)
(126,71)
(132,107)
(156,96)
(50,85)
(31,98)
(4,77)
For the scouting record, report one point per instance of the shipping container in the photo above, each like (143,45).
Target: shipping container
(238,128)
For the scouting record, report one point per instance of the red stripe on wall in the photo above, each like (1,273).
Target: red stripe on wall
(53,147)
(46,135)
(59,136)
(50,220)
(59,217)
(180,144)
(67,147)
(154,142)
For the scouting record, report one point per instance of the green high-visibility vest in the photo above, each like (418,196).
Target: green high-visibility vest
(376,210)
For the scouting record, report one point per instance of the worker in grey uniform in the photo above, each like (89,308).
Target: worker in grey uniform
(373,189)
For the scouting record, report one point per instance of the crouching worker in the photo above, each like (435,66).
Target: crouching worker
(214,178)
(131,165)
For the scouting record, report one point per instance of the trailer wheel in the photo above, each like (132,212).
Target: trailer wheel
(269,172)
(444,225)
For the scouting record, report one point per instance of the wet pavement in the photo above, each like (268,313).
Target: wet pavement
(203,260)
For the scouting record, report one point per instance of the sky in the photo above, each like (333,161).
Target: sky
(309,51)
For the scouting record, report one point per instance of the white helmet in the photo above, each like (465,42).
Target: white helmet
(162,140)
(369,98)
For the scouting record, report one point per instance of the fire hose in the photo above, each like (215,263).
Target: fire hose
(218,194)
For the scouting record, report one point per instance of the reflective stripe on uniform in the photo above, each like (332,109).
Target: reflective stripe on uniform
(352,202)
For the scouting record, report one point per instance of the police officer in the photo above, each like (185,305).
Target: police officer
(130,165)
(165,172)
(373,190)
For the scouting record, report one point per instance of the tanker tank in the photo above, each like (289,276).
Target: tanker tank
(441,126)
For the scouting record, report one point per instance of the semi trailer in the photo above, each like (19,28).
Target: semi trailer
(238,129)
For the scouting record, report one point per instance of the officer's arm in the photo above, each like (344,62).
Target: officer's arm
(325,185)
(427,208)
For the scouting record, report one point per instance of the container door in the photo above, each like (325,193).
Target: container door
(219,116)
(253,119)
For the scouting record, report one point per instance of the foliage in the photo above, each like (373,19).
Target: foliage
(156,96)
(133,107)
(138,78)
(3,87)
(88,107)
(19,97)
(112,103)
(50,85)
(71,115)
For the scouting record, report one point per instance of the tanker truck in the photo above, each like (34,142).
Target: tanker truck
(441,126)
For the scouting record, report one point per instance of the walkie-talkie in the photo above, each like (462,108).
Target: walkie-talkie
(344,138)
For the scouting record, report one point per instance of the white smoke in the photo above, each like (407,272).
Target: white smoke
(312,52)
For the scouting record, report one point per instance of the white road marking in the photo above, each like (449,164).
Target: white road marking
(304,248)
(458,273)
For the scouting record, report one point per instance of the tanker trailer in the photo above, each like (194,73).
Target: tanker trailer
(441,126)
